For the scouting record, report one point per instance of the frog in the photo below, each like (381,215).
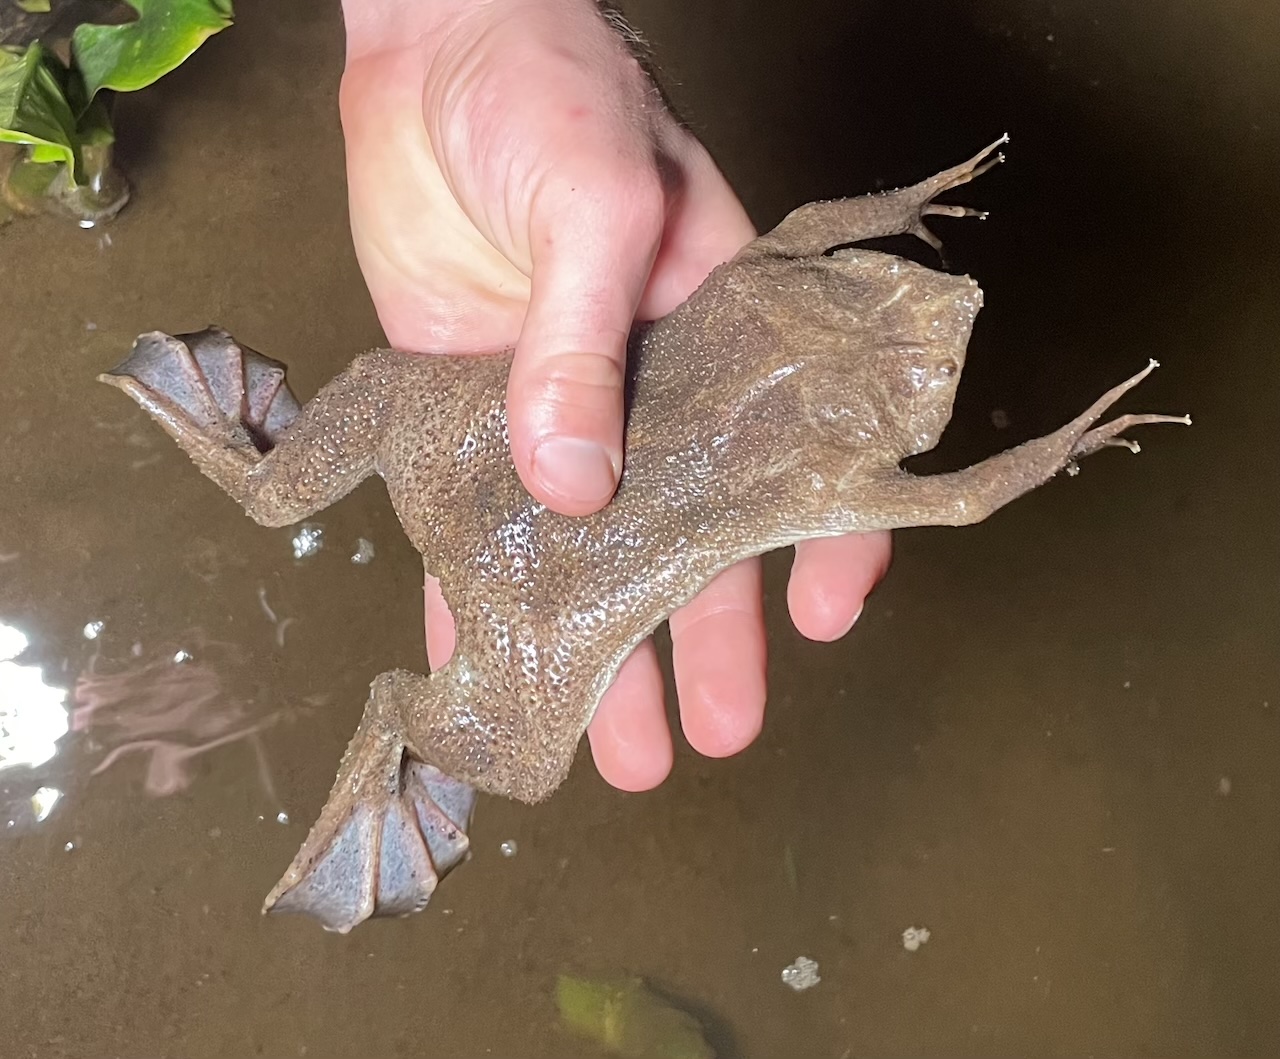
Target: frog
(777,404)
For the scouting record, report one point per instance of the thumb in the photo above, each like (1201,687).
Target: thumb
(565,393)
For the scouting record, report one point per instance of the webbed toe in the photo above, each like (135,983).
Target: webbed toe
(378,850)
(223,389)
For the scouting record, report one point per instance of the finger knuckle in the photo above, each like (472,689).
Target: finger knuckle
(581,379)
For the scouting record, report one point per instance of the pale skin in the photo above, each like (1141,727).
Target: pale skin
(515,181)
(775,406)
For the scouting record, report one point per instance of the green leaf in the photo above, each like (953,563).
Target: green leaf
(94,127)
(627,1018)
(33,7)
(132,56)
(33,106)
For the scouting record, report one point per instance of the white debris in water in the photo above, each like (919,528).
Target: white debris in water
(363,553)
(89,325)
(801,975)
(266,607)
(93,630)
(43,801)
(509,848)
(1224,786)
(69,846)
(914,937)
(182,656)
(282,818)
(280,630)
(308,541)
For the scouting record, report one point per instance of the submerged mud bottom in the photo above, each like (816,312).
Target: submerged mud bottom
(1051,741)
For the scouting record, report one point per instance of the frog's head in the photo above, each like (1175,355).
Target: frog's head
(923,318)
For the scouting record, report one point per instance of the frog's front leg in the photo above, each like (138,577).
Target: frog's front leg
(900,500)
(392,826)
(230,409)
(816,227)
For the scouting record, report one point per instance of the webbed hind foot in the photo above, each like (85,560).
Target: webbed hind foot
(206,388)
(390,830)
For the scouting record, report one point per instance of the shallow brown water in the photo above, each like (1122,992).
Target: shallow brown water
(1052,740)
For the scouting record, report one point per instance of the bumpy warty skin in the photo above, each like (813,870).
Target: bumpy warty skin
(774,406)
(749,406)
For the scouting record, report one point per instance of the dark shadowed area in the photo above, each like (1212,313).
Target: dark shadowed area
(1052,740)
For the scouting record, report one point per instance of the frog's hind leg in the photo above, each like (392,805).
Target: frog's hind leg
(207,386)
(817,227)
(392,828)
(229,408)
(226,405)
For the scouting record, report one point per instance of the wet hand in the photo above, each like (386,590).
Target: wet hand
(514,179)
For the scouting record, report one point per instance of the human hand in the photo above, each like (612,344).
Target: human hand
(515,179)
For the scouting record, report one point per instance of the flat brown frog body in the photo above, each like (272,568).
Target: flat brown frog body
(774,406)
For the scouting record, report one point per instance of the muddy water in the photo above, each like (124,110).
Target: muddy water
(1052,740)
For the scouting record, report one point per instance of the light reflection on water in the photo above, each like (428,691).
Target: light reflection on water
(170,706)
(167,704)
(32,715)
(33,718)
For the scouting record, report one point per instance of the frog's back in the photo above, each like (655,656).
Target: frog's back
(443,451)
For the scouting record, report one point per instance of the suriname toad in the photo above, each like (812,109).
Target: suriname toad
(774,406)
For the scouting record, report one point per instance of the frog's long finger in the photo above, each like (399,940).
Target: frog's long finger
(1109,433)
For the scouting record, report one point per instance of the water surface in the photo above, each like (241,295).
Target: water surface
(1052,740)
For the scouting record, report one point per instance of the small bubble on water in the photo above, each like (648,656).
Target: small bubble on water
(86,223)
(282,818)
(801,975)
(92,630)
(308,541)
(363,553)
(509,848)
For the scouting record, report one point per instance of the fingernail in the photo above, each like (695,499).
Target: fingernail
(577,470)
(852,622)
